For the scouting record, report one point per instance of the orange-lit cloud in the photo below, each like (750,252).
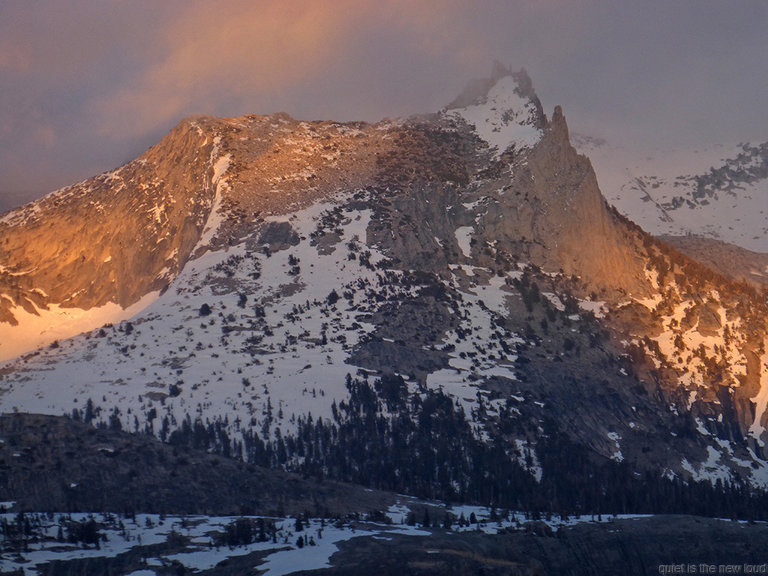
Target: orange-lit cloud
(11,58)
(88,85)
(253,49)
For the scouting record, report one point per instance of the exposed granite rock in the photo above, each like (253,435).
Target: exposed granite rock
(114,237)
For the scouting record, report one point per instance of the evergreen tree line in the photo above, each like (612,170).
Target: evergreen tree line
(421,443)
(18,533)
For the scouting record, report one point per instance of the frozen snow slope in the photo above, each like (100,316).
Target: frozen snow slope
(719,192)
(504,118)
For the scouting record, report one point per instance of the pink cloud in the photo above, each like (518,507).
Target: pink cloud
(239,50)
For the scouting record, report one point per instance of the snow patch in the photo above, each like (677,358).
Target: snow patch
(757,429)
(58,323)
(505,119)
(464,237)
(617,455)
(216,217)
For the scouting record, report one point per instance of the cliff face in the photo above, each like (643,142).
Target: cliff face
(114,237)
(511,180)
(552,212)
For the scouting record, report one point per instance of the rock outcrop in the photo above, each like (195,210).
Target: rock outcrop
(114,237)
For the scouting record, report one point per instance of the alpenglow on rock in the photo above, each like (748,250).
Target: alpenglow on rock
(459,271)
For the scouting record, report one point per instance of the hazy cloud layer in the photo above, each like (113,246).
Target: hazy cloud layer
(89,84)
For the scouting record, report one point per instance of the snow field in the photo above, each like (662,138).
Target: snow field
(57,323)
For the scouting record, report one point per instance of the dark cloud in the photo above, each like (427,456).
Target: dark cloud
(88,85)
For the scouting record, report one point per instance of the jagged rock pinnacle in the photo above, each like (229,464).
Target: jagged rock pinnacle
(558,124)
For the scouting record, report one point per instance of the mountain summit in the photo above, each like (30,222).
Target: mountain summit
(396,304)
(504,110)
(73,260)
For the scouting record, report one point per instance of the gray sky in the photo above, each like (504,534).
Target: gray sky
(87,85)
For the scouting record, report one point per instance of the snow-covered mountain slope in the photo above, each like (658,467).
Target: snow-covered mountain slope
(256,333)
(349,296)
(83,255)
(720,192)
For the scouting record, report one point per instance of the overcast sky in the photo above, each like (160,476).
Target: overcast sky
(87,85)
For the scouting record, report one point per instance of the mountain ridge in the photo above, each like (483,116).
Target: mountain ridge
(716,191)
(453,268)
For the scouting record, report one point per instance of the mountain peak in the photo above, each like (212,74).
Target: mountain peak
(503,109)
(476,91)
(467,254)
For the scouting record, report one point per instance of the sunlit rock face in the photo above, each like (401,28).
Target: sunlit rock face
(468,251)
(117,236)
(79,257)
(76,258)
